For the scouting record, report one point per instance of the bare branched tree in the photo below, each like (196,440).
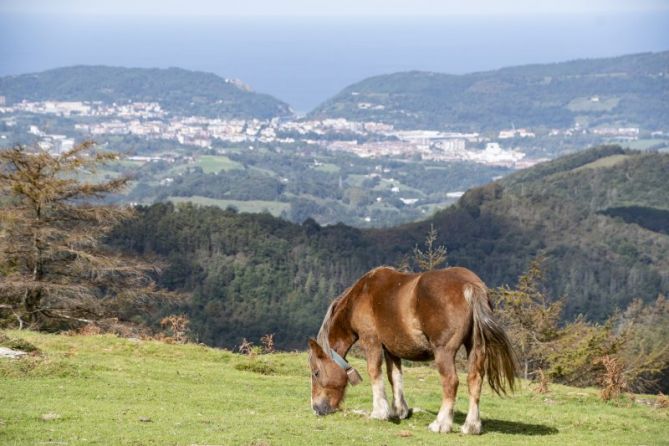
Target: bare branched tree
(53,264)
(431,257)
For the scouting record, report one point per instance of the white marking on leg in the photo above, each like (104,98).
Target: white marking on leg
(380,410)
(400,407)
(473,421)
(444,420)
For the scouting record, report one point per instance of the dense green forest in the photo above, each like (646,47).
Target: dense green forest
(178,91)
(630,90)
(253,274)
(250,274)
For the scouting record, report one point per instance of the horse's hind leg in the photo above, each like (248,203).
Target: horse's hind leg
(445,361)
(474,381)
(399,408)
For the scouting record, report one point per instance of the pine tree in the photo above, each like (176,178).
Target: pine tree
(54,267)
(530,317)
(431,257)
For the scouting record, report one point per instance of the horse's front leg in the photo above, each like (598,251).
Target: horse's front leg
(399,409)
(380,410)
(445,361)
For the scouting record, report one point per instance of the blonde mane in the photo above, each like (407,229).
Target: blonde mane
(324,332)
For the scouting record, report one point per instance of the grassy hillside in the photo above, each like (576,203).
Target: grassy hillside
(179,91)
(106,390)
(629,90)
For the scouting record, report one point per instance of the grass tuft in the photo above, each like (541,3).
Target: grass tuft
(256,365)
(17,344)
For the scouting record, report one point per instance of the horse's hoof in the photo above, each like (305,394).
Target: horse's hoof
(380,414)
(438,428)
(471,427)
(403,413)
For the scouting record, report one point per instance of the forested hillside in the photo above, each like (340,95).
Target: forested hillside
(568,210)
(253,274)
(178,91)
(622,91)
(250,274)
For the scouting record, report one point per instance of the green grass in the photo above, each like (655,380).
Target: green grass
(585,104)
(88,390)
(267,172)
(644,144)
(607,161)
(355,179)
(385,184)
(435,207)
(215,164)
(255,206)
(328,168)
(130,164)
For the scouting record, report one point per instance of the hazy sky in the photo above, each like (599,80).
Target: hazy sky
(304,51)
(330,7)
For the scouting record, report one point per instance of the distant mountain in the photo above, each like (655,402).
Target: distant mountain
(177,90)
(599,217)
(630,90)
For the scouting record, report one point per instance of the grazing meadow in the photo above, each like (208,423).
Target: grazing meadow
(103,389)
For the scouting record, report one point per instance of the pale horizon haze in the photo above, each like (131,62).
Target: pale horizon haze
(304,52)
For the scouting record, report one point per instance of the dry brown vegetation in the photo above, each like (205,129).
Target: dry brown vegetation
(176,327)
(55,269)
(628,352)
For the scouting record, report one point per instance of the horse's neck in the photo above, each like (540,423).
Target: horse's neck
(341,336)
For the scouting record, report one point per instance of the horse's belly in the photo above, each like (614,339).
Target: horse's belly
(414,354)
(410,344)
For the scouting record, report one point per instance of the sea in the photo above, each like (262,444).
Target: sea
(306,60)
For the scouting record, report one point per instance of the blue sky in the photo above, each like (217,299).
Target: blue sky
(332,7)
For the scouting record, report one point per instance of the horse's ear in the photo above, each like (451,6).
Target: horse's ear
(316,349)
(353,377)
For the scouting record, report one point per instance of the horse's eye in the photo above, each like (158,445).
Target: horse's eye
(316,373)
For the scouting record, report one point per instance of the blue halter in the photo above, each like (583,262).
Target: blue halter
(341,362)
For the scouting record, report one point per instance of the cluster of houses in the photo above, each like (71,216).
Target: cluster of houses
(363,138)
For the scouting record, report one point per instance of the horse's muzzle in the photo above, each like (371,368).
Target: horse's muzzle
(322,408)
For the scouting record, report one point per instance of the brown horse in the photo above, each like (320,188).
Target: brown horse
(417,317)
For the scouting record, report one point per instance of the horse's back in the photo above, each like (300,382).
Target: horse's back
(411,313)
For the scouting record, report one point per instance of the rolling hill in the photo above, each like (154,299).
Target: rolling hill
(630,90)
(179,91)
(252,274)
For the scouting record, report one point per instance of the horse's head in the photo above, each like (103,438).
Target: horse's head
(328,380)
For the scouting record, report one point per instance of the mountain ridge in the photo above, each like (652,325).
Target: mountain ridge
(597,91)
(178,90)
(415,99)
